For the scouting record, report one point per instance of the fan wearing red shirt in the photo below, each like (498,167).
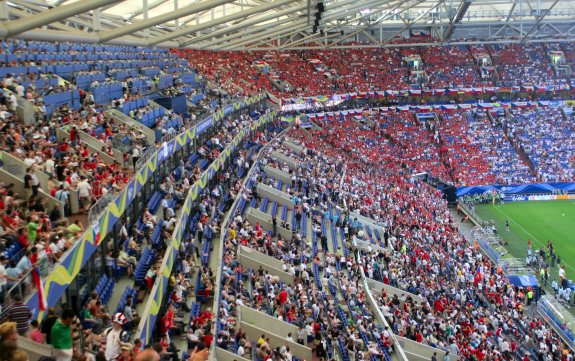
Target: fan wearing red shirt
(208,339)
(283,296)
(63,148)
(23,238)
(84,152)
(418,337)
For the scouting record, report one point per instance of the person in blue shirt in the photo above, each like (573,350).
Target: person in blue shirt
(327,216)
(25,264)
(335,217)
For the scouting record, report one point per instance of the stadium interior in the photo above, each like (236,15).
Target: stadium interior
(283,180)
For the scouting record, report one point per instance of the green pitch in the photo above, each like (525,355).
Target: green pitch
(539,221)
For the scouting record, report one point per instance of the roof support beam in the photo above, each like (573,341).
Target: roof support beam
(49,16)
(177,21)
(222,20)
(293,26)
(391,13)
(541,17)
(150,7)
(245,24)
(459,14)
(359,30)
(335,16)
(3,10)
(253,29)
(408,25)
(160,19)
(347,5)
(96,20)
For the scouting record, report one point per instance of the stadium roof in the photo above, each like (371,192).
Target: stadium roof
(284,24)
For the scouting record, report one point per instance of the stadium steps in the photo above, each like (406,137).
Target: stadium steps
(293,146)
(277,174)
(283,159)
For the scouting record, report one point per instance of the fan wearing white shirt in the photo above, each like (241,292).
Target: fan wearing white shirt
(84,189)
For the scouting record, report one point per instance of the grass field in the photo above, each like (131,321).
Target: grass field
(539,221)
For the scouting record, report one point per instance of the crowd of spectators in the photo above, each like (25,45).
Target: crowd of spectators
(522,65)
(467,161)
(32,230)
(498,150)
(546,135)
(455,69)
(465,147)
(378,69)
(357,164)
(463,303)
(314,306)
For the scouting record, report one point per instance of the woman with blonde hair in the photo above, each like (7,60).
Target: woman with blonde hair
(9,332)
(20,356)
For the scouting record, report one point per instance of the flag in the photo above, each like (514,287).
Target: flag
(40,287)
(527,88)
(96,233)
(417,33)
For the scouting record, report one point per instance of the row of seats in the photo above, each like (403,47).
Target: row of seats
(123,74)
(14,252)
(134,104)
(106,93)
(104,289)
(55,101)
(155,201)
(149,119)
(146,261)
(127,293)
(85,80)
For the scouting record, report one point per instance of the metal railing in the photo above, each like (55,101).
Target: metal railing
(148,154)
(99,207)
(82,239)
(225,224)
(24,286)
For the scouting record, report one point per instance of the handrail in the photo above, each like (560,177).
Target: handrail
(398,349)
(225,224)
(76,257)
(97,208)
(148,154)
(154,303)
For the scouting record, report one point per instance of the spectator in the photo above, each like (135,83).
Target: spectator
(84,191)
(61,336)
(36,334)
(114,337)
(19,313)
(8,332)
(48,323)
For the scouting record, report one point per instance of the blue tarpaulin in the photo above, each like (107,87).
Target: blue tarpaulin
(525,281)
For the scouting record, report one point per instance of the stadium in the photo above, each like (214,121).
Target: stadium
(283,180)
